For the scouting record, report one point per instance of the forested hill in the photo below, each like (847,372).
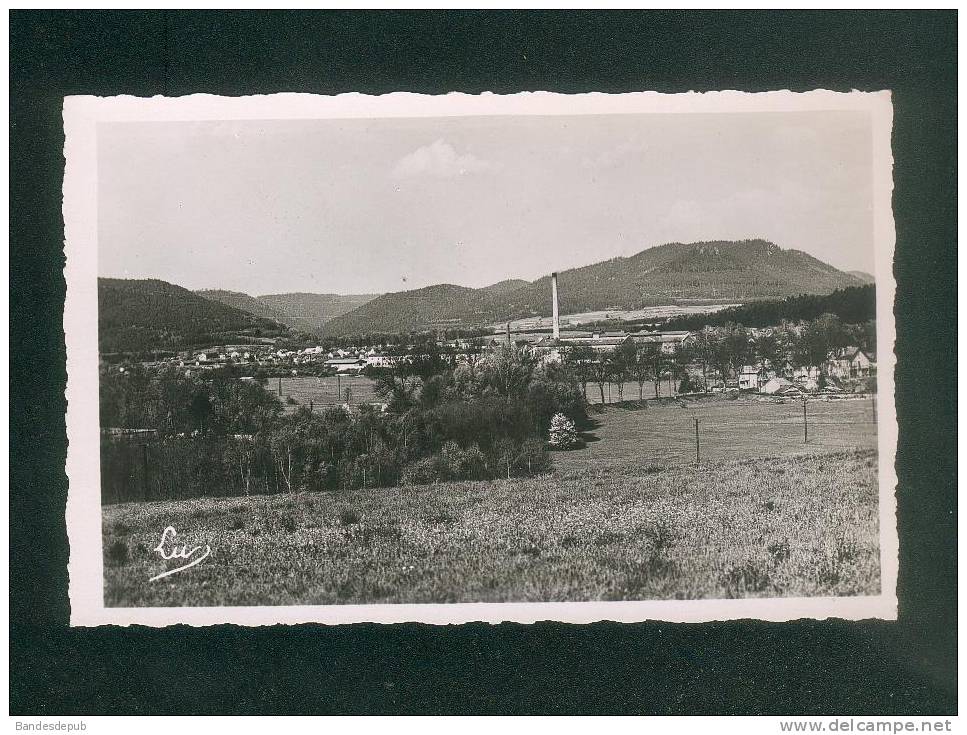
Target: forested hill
(142,315)
(308,312)
(432,307)
(243,302)
(508,286)
(304,312)
(713,271)
(853,305)
(720,270)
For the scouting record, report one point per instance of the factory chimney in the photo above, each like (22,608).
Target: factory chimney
(557,319)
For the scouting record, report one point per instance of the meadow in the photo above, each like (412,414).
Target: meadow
(634,519)
(323,391)
(631,435)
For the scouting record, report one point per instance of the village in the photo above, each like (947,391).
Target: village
(786,360)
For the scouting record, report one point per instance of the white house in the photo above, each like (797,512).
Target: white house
(346,364)
(751,378)
(381,361)
(851,362)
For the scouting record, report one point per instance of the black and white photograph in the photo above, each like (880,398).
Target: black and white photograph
(355,355)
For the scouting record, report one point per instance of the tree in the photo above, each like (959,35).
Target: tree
(600,373)
(563,433)
(508,371)
(240,456)
(397,385)
(579,360)
(769,349)
(622,363)
(705,347)
(819,339)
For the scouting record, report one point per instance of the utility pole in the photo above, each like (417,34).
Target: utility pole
(144,466)
(698,454)
(280,386)
(805,423)
(873,398)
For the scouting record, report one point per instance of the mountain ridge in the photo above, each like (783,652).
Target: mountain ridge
(739,270)
(151,314)
(299,310)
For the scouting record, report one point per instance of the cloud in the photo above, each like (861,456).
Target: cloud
(440,160)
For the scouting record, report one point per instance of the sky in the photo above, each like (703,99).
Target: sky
(381,205)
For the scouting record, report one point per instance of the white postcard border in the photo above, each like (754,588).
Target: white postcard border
(83,514)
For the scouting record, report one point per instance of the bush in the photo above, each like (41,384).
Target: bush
(463,464)
(532,459)
(563,433)
(372,469)
(688,385)
(425,471)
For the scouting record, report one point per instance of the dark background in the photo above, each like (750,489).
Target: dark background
(810,667)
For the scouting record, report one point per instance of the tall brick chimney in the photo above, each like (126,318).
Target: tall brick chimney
(557,318)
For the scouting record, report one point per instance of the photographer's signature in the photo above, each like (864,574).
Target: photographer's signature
(168,550)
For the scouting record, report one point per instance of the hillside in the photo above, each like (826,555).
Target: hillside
(243,302)
(507,286)
(862,276)
(308,312)
(444,305)
(732,271)
(747,270)
(852,305)
(136,315)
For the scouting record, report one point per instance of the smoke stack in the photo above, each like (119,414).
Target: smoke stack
(557,319)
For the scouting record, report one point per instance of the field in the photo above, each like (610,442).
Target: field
(747,427)
(325,391)
(637,519)
(626,315)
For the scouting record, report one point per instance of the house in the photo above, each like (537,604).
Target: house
(346,364)
(381,361)
(804,373)
(751,377)
(774,385)
(850,362)
(669,341)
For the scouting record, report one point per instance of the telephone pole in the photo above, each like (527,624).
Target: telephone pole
(805,423)
(698,455)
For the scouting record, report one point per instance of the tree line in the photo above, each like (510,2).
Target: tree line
(852,305)
(716,353)
(215,434)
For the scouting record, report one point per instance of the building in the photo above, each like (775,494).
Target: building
(669,341)
(775,386)
(377,360)
(850,362)
(346,364)
(751,378)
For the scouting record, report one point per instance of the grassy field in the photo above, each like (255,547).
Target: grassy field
(623,526)
(326,391)
(664,431)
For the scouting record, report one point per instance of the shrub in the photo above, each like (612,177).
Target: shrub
(372,469)
(563,433)
(532,459)
(463,464)
(688,385)
(424,471)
